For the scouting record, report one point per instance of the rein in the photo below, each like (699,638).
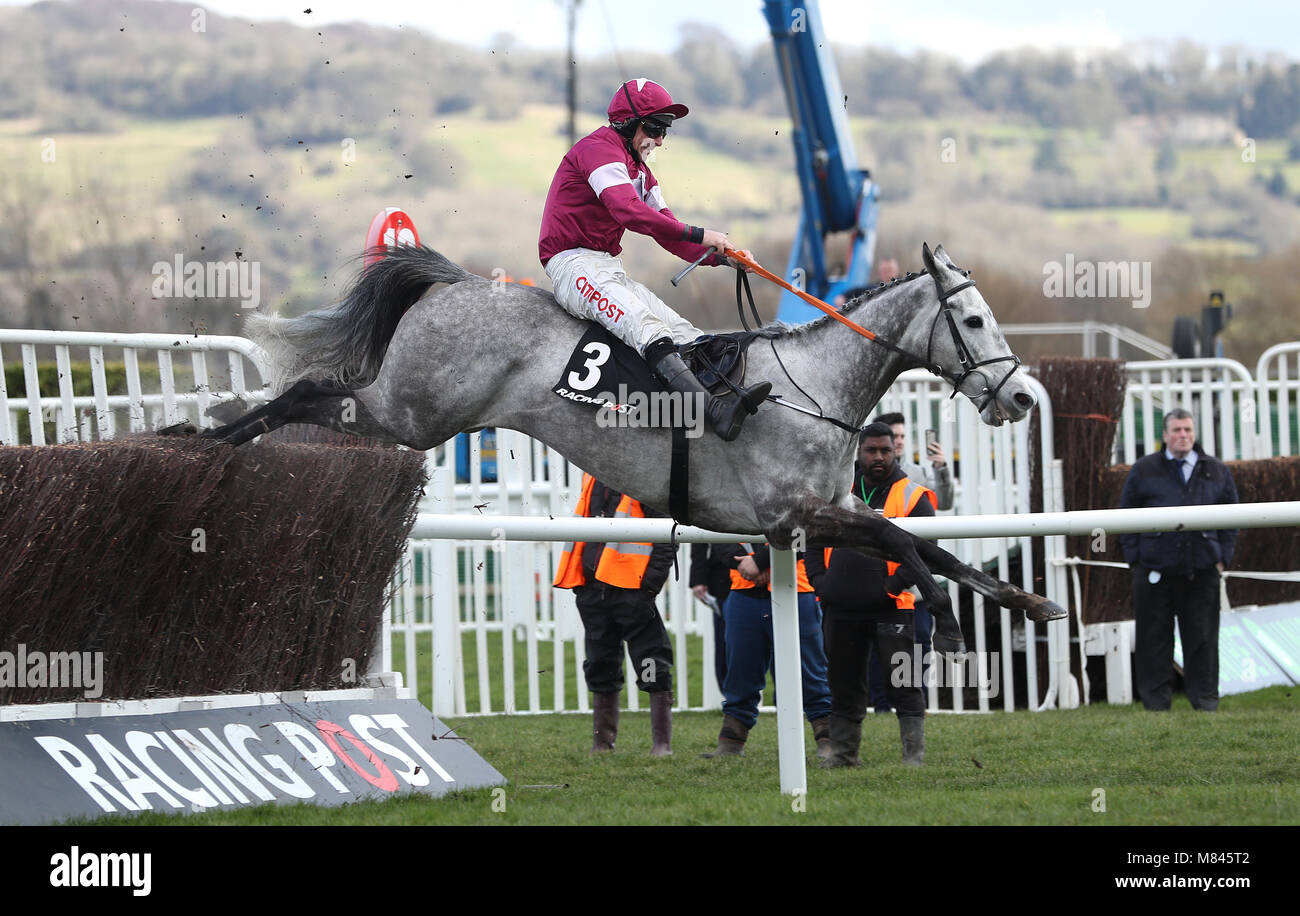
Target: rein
(968,363)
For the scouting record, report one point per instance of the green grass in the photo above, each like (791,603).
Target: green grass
(1179,768)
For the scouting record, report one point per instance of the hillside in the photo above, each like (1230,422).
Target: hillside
(140,140)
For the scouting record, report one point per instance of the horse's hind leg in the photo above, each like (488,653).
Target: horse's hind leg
(338,409)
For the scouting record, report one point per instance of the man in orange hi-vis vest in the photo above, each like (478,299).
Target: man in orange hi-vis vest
(615,585)
(865,602)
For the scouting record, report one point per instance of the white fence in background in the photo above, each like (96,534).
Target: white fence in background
(513,595)
(179,392)
(1219,393)
(1278,376)
(1091,331)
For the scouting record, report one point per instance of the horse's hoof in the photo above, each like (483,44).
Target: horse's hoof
(947,645)
(177,429)
(1045,610)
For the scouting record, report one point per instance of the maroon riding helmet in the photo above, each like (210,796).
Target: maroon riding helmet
(643,100)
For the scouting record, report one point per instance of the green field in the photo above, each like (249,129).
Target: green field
(1181,768)
(750,180)
(112,203)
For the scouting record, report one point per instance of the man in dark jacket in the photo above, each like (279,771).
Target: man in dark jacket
(1177,573)
(866,603)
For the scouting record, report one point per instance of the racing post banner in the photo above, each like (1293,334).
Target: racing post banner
(328,753)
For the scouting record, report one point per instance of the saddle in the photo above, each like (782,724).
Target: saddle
(718,360)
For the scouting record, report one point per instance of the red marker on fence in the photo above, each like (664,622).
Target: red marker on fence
(389,228)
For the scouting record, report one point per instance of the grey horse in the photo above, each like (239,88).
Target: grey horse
(405,359)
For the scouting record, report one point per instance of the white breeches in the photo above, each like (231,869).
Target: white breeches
(592,285)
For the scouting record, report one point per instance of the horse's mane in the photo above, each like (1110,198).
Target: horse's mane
(777,329)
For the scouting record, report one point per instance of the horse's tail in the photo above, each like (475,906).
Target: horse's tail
(345,345)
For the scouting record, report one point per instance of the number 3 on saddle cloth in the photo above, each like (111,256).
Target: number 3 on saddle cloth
(608,375)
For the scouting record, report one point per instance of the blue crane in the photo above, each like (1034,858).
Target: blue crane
(837,195)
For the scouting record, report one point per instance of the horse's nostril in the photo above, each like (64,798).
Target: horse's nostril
(1025,400)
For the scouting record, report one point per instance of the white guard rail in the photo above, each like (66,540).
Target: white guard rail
(179,394)
(1115,335)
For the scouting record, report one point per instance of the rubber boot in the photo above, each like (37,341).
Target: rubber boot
(846,737)
(731,740)
(822,735)
(604,720)
(726,414)
(661,724)
(912,730)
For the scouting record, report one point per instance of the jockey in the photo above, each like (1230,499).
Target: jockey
(603,187)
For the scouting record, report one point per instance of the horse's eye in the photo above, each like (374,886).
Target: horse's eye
(974,322)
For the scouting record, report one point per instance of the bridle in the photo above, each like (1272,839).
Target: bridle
(964,356)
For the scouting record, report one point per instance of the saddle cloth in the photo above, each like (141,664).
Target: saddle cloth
(603,372)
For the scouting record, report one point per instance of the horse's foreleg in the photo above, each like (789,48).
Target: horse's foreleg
(830,525)
(1036,607)
(338,409)
(876,536)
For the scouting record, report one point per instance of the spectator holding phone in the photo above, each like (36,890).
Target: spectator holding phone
(937,479)
(938,476)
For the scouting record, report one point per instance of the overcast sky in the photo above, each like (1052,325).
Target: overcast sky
(967,30)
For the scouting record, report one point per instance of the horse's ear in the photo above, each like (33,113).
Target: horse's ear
(941,257)
(928,259)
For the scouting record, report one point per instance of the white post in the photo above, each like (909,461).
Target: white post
(1119,662)
(789,674)
(443,584)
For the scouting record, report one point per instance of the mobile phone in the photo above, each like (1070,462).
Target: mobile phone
(931,438)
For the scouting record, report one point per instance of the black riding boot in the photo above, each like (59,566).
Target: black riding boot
(726,414)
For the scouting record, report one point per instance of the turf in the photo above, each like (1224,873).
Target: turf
(1178,768)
